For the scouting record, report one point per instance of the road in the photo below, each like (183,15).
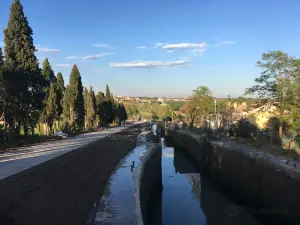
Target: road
(20,159)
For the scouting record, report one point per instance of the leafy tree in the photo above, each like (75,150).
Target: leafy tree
(199,105)
(19,48)
(274,86)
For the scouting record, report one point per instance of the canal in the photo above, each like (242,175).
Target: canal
(188,198)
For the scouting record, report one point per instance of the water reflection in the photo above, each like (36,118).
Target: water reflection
(190,199)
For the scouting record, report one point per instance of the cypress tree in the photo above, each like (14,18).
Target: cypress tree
(66,110)
(86,102)
(18,42)
(76,100)
(100,107)
(1,58)
(107,93)
(52,106)
(89,108)
(48,72)
(22,63)
(60,82)
(60,92)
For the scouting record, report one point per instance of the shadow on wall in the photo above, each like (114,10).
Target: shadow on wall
(271,193)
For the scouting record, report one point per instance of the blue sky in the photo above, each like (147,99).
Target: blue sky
(183,43)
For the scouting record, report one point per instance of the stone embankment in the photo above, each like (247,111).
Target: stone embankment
(266,185)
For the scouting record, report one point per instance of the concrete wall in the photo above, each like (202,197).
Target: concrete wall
(147,182)
(269,191)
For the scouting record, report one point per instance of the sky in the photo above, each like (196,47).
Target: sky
(161,47)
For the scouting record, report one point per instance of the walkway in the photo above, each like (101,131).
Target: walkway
(15,161)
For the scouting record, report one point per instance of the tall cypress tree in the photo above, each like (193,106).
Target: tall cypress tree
(60,82)
(19,48)
(60,92)
(48,72)
(1,58)
(76,99)
(21,61)
(52,106)
(100,107)
(66,110)
(107,93)
(86,103)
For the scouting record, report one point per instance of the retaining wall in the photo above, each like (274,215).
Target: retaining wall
(147,182)
(270,190)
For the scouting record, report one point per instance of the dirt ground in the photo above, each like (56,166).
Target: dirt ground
(64,190)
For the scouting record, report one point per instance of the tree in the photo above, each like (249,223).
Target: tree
(22,65)
(66,110)
(90,108)
(121,114)
(1,58)
(109,106)
(100,108)
(60,92)
(48,72)
(18,42)
(107,94)
(76,101)
(274,86)
(60,82)
(52,110)
(199,105)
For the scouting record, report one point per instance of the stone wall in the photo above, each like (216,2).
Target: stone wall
(268,189)
(147,182)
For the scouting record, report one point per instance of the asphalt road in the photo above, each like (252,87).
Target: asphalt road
(15,161)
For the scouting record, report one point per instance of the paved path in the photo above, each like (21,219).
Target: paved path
(14,161)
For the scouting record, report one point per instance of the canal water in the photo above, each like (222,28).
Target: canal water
(116,206)
(187,198)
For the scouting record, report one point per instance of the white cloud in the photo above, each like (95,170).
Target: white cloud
(47,50)
(73,57)
(102,45)
(184,46)
(142,47)
(97,56)
(156,45)
(150,64)
(226,43)
(64,65)
(197,52)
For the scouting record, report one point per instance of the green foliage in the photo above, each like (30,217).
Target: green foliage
(200,104)
(48,72)
(90,108)
(18,42)
(75,98)
(278,83)
(60,82)
(52,110)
